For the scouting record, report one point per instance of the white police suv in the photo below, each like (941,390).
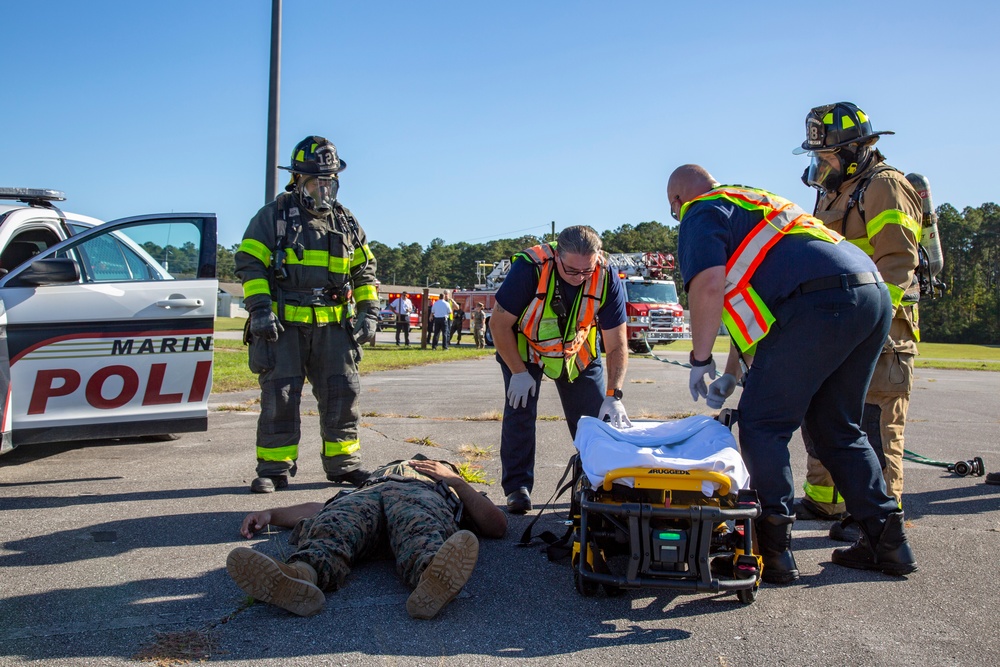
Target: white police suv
(106,328)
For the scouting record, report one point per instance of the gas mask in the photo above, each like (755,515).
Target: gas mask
(830,168)
(317,193)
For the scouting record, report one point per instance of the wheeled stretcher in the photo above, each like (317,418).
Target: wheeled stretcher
(677,514)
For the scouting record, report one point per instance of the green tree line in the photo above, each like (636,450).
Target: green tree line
(968,311)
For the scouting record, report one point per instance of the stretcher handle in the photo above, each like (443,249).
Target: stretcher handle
(665,474)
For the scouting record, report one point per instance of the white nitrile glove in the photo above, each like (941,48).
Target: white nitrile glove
(520,386)
(264,324)
(720,390)
(366,322)
(613,409)
(696,381)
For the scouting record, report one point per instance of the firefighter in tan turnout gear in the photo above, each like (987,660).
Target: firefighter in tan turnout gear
(309,285)
(874,207)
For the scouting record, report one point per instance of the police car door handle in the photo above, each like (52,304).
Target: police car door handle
(181,303)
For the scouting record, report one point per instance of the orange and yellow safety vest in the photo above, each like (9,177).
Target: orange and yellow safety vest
(744,313)
(540,339)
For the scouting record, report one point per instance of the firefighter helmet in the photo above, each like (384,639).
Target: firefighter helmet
(836,125)
(314,156)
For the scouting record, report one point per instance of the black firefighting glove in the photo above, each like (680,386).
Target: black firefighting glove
(264,324)
(366,322)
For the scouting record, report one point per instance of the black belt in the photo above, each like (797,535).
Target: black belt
(843,281)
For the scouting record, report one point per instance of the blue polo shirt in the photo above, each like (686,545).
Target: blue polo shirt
(711,232)
(521,284)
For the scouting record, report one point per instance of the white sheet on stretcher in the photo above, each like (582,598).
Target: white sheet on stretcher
(694,443)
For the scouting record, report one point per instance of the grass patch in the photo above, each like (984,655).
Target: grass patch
(642,381)
(548,418)
(473,474)
(426,442)
(230,323)
(231,373)
(474,452)
(492,416)
(673,416)
(958,365)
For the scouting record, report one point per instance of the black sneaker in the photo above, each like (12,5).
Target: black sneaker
(268,484)
(355,478)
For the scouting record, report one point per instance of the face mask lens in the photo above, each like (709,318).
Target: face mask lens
(824,170)
(319,192)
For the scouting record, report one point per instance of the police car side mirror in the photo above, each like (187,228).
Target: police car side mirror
(52,271)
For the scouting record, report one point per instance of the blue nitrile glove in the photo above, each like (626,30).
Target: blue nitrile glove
(264,324)
(613,409)
(696,381)
(520,387)
(366,322)
(720,390)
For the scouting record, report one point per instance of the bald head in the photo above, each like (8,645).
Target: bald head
(688,181)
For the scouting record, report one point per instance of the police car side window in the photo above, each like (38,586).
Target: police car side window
(104,259)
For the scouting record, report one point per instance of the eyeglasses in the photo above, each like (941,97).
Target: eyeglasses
(576,272)
(676,216)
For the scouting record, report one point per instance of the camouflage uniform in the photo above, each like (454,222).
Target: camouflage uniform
(408,511)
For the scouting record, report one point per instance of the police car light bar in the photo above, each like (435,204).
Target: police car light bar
(29,195)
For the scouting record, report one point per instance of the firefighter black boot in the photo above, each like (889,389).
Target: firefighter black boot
(888,551)
(774,538)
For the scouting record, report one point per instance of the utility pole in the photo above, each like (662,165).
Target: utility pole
(553,231)
(273,105)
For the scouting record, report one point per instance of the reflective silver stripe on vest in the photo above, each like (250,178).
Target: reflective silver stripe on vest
(756,244)
(742,310)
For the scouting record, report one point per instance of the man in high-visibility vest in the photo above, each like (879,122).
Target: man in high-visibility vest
(545,323)
(875,208)
(814,313)
(309,284)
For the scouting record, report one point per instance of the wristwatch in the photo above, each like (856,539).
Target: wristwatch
(617,393)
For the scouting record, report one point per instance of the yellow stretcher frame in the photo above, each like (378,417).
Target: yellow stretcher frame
(705,525)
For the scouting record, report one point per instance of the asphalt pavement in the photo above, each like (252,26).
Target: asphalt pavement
(114,551)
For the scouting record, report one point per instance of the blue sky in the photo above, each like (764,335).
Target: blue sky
(473,120)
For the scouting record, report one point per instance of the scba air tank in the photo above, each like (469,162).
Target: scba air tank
(929,237)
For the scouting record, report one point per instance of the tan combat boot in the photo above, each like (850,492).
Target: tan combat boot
(447,573)
(291,586)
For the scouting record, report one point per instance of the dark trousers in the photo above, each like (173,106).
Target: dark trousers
(814,368)
(456,329)
(581,397)
(441,327)
(403,326)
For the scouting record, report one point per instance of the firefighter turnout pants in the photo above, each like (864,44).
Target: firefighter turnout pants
(328,357)
(883,421)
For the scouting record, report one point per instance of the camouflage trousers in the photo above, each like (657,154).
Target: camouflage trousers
(411,518)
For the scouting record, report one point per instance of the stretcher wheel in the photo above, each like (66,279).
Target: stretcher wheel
(979,467)
(748,595)
(583,587)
